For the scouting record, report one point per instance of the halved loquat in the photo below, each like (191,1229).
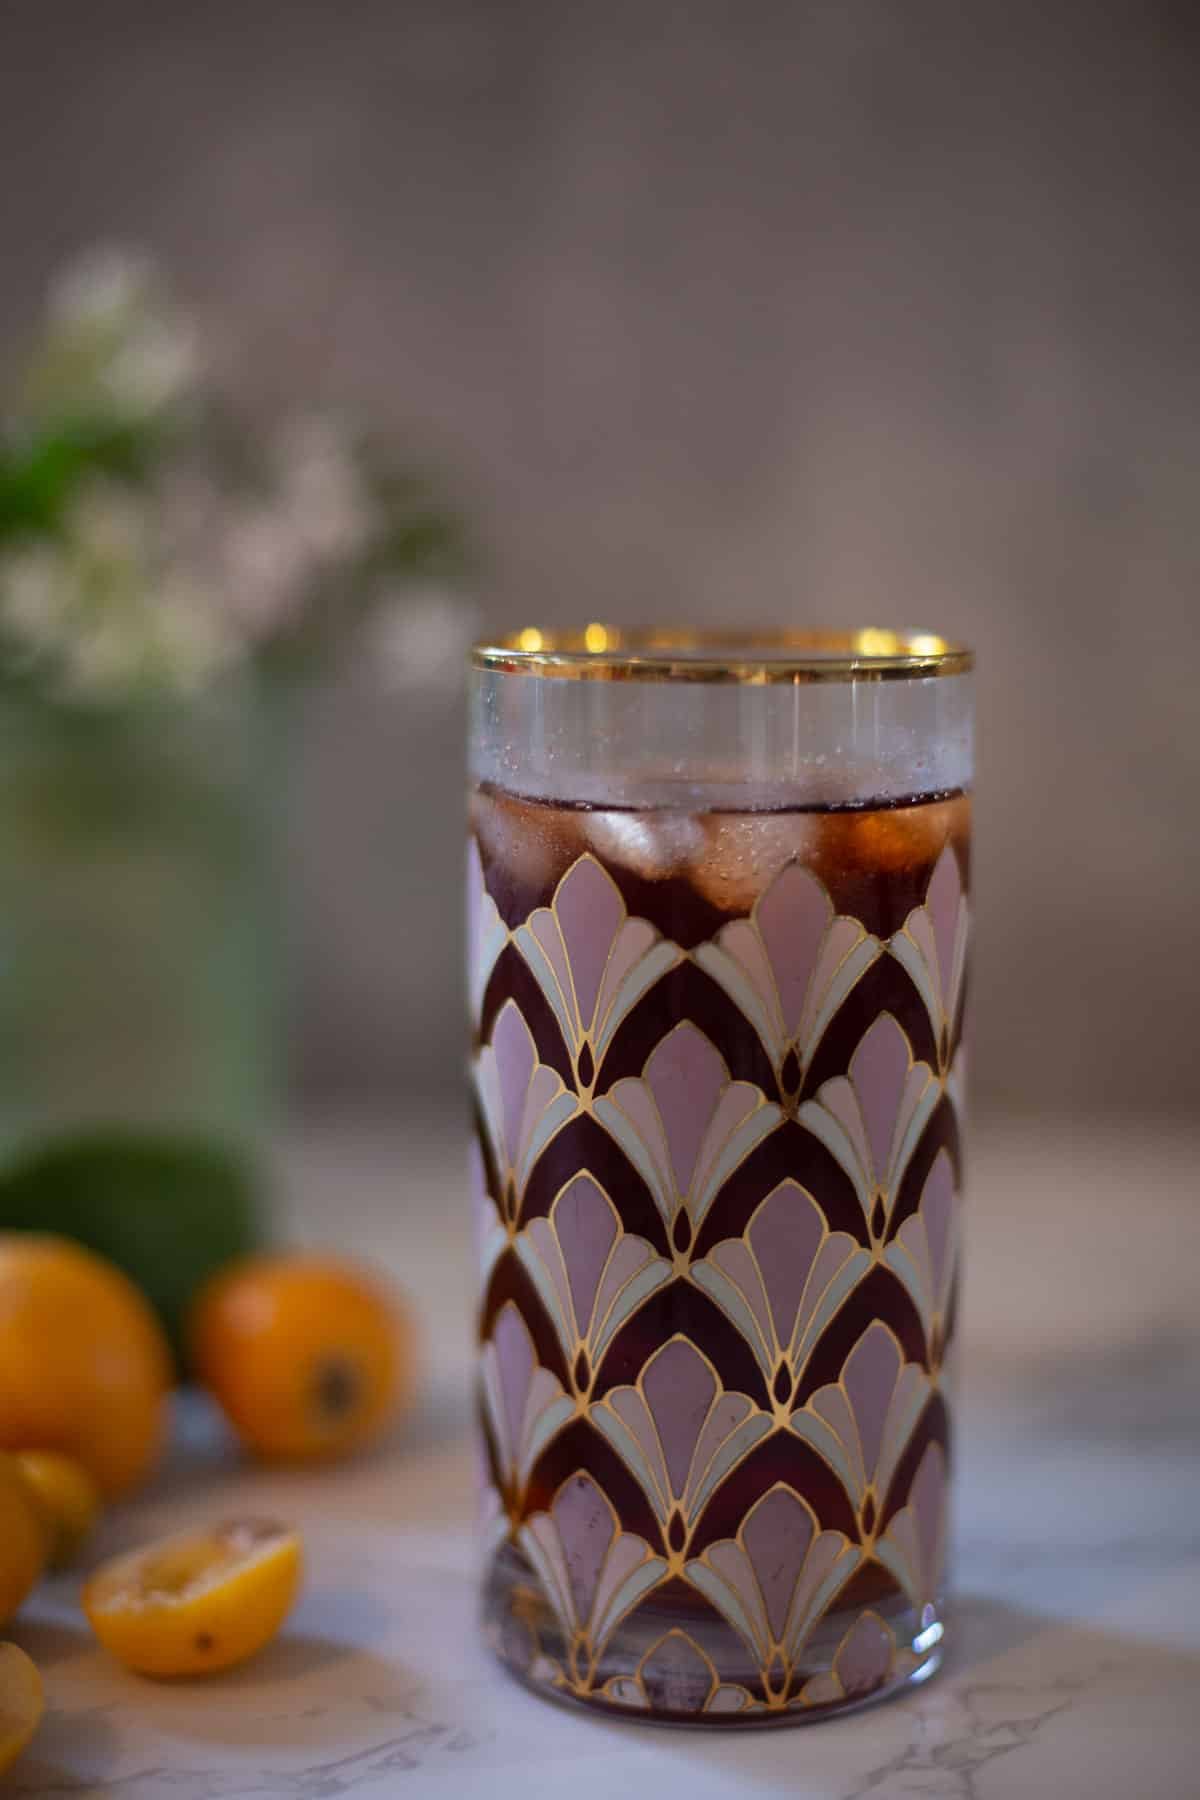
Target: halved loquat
(22,1703)
(198,1602)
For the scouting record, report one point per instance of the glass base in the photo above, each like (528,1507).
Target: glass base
(675,1662)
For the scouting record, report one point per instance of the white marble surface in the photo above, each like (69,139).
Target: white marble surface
(1075,1660)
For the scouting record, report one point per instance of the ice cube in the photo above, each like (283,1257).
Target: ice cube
(889,840)
(743,852)
(653,844)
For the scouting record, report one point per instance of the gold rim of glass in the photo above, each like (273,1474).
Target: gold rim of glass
(613,653)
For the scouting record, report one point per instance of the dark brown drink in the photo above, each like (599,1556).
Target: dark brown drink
(719,1080)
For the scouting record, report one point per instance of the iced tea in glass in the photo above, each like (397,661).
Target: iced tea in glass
(718,913)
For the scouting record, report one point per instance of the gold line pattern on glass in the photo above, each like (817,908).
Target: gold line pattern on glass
(675,1675)
(863,1423)
(781,1283)
(590,1275)
(591,1570)
(686,1127)
(592,962)
(612,653)
(932,946)
(774,1581)
(788,968)
(788,1488)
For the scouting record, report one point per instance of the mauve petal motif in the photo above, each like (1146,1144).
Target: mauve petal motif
(589,1274)
(782,1281)
(862,1663)
(775,1580)
(913,1547)
(924,1251)
(932,946)
(872,1118)
(790,965)
(487,933)
(685,1126)
(675,1675)
(524,1403)
(862,1423)
(679,1433)
(592,1572)
(490,1235)
(524,1102)
(592,961)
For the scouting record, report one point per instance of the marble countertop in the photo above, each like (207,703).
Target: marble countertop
(1074,1665)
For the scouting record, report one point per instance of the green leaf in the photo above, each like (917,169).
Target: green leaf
(40,475)
(170,1211)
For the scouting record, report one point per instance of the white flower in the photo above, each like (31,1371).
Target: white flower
(115,342)
(151,372)
(110,606)
(32,589)
(166,583)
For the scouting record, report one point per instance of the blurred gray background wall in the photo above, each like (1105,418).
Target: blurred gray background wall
(839,312)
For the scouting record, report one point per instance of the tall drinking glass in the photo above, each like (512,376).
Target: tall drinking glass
(718,925)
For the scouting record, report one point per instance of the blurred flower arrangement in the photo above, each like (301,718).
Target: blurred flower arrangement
(151,541)
(165,569)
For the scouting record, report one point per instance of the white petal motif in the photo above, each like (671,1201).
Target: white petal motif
(593,1573)
(591,1276)
(871,1119)
(524,1102)
(914,1545)
(679,1431)
(932,946)
(524,1403)
(684,1124)
(784,1279)
(592,961)
(862,1423)
(791,964)
(776,1579)
(924,1250)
